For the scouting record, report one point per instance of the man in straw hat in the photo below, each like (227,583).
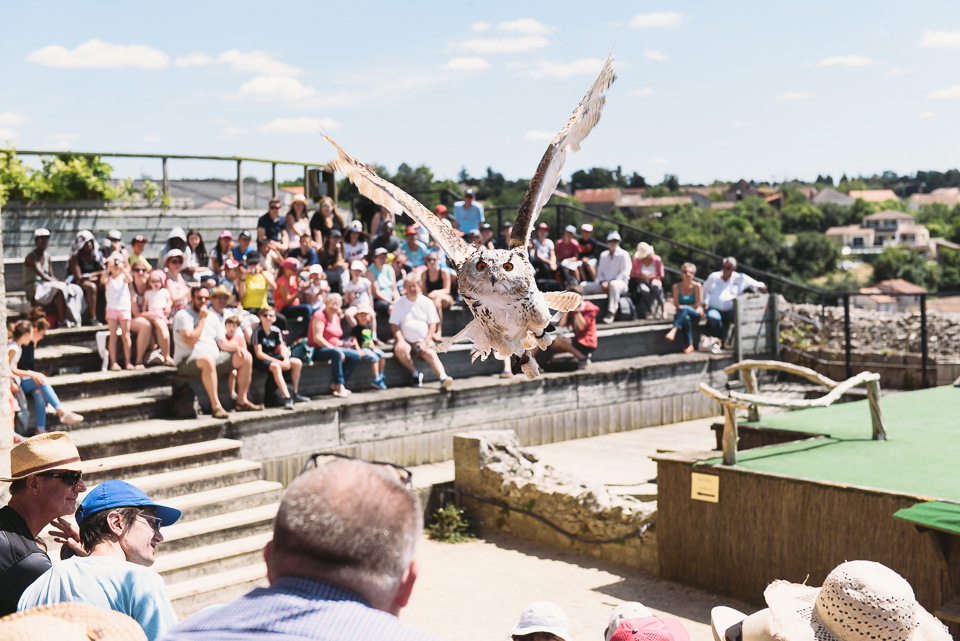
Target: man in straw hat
(120,531)
(341,564)
(46,480)
(70,622)
(859,601)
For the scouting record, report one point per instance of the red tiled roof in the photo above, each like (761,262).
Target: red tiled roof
(585,196)
(293,190)
(890,214)
(874,195)
(725,204)
(899,286)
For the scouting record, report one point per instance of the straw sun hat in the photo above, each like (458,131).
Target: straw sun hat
(50,451)
(70,621)
(859,601)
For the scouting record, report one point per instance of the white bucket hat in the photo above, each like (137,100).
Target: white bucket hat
(542,616)
(859,601)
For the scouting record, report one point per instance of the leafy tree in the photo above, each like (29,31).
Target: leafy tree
(463,176)
(593,178)
(802,217)
(671,182)
(895,262)
(812,255)
(861,208)
(636,180)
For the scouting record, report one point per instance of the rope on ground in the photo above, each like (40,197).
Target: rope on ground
(636,533)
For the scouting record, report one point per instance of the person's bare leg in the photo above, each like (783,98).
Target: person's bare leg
(243,363)
(564,344)
(163,341)
(208,374)
(232,383)
(403,355)
(125,337)
(144,331)
(112,344)
(296,365)
(90,295)
(277,370)
(61,305)
(433,361)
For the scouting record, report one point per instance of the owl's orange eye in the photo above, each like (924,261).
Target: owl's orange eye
(481,265)
(508,267)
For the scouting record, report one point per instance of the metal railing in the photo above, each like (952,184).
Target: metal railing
(239,160)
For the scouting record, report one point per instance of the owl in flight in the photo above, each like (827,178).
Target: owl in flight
(511,316)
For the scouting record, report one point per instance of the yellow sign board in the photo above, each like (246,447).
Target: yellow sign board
(705,487)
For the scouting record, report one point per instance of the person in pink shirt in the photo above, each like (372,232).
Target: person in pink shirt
(646,281)
(326,337)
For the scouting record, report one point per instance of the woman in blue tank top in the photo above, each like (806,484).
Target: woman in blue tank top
(688,297)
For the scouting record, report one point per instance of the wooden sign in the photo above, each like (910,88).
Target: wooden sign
(705,487)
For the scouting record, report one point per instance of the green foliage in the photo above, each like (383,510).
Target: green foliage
(812,255)
(61,178)
(802,216)
(450,524)
(894,262)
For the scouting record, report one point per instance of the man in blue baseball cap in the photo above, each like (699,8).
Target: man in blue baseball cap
(120,531)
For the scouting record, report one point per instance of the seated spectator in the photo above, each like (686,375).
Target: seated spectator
(120,531)
(473,237)
(222,252)
(568,247)
(613,276)
(414,250)
(350,577)
(386,239)
(541,621)
(256,284)
(202,351)
(486,236)
(646,281)
(688,297)
(43,288)
(114,243)
(296,220)
(233,333)
(150,328)
(719,292)
(244,247)
(415,324)
(34,384)
(355,242)
(382,216)
(583,324)
(543,257)
(233,273)
(176,283)
(304,252)
(84,266)
(503,241)
(589,253)
(436,284)
(317,288)
(632,621)
(357,292)
(271,354)
(326,339)
(332,260)
(363,339)
(286,299)
(384,281)
(858,600)
(176,239)
(324,222)
(196,261)
(138,245)
(271,231)
(467,213)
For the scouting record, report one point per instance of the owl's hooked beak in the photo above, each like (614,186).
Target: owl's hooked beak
(493,278)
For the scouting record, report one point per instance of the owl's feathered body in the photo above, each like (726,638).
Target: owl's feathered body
(511,315)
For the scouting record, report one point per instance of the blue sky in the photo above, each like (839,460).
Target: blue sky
(706,90)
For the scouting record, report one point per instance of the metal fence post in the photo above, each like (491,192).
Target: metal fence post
(559,229)
(846,335)
(239,185)
(923,341)
(273,181)
(166,181)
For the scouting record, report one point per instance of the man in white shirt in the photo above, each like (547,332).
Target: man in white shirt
(719,292)
(414,322)
(613,275)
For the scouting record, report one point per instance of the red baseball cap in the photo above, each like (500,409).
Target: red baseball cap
(439,209)
(651,629)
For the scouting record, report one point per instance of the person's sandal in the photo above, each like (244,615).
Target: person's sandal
(248,407)
(220,413)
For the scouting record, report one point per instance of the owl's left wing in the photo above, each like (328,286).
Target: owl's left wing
(584,117)
(388,195)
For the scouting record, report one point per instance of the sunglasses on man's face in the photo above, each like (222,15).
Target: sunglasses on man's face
(68,478)
(322,458)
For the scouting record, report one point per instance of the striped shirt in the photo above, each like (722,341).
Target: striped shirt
(295,608)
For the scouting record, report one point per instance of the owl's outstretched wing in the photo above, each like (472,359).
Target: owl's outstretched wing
(584,117)
(398,201)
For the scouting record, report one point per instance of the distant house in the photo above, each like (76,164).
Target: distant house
(722,205)
(740,190)
(700,200)
(874,195)
(775,201)
(703,191)
(884,229)
(829,195)
(635,205)
(856,237)
(938,244)
(948,196)
(878,297)
(600,201)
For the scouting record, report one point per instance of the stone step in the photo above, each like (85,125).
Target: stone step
(211,559)
(83,336)
(92,384)
(200,505)
(193,595)
(137,464)
(128,407)
(140,436)
(185,535)
(67,359)
(175,483)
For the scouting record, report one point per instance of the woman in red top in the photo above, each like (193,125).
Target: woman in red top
(286,299)
(583,322)
(326,338)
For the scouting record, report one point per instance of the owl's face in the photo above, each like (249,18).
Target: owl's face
(497,271)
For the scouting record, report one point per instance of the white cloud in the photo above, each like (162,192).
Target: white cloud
(153,138)
(899,71)
(642,91)
(528,26)
(298,126)
(61,141)
(97,54)
(259,62)
(195,59)
(795,95)
(8,118)
(740,124)
(230,133)
(267,88)
(7,134)
(539,135)
(659,160)
(504,45)
(852,60)
(480,26)
(654,54)
(926,114)
(940,39)
(949,92)
(658,19)
(466,64)
(582,66)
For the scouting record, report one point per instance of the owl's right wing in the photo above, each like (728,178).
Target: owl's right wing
(544,182)
(397,201)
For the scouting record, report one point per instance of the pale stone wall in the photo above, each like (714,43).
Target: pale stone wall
(493,466)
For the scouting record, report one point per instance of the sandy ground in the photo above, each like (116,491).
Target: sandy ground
(475,591)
